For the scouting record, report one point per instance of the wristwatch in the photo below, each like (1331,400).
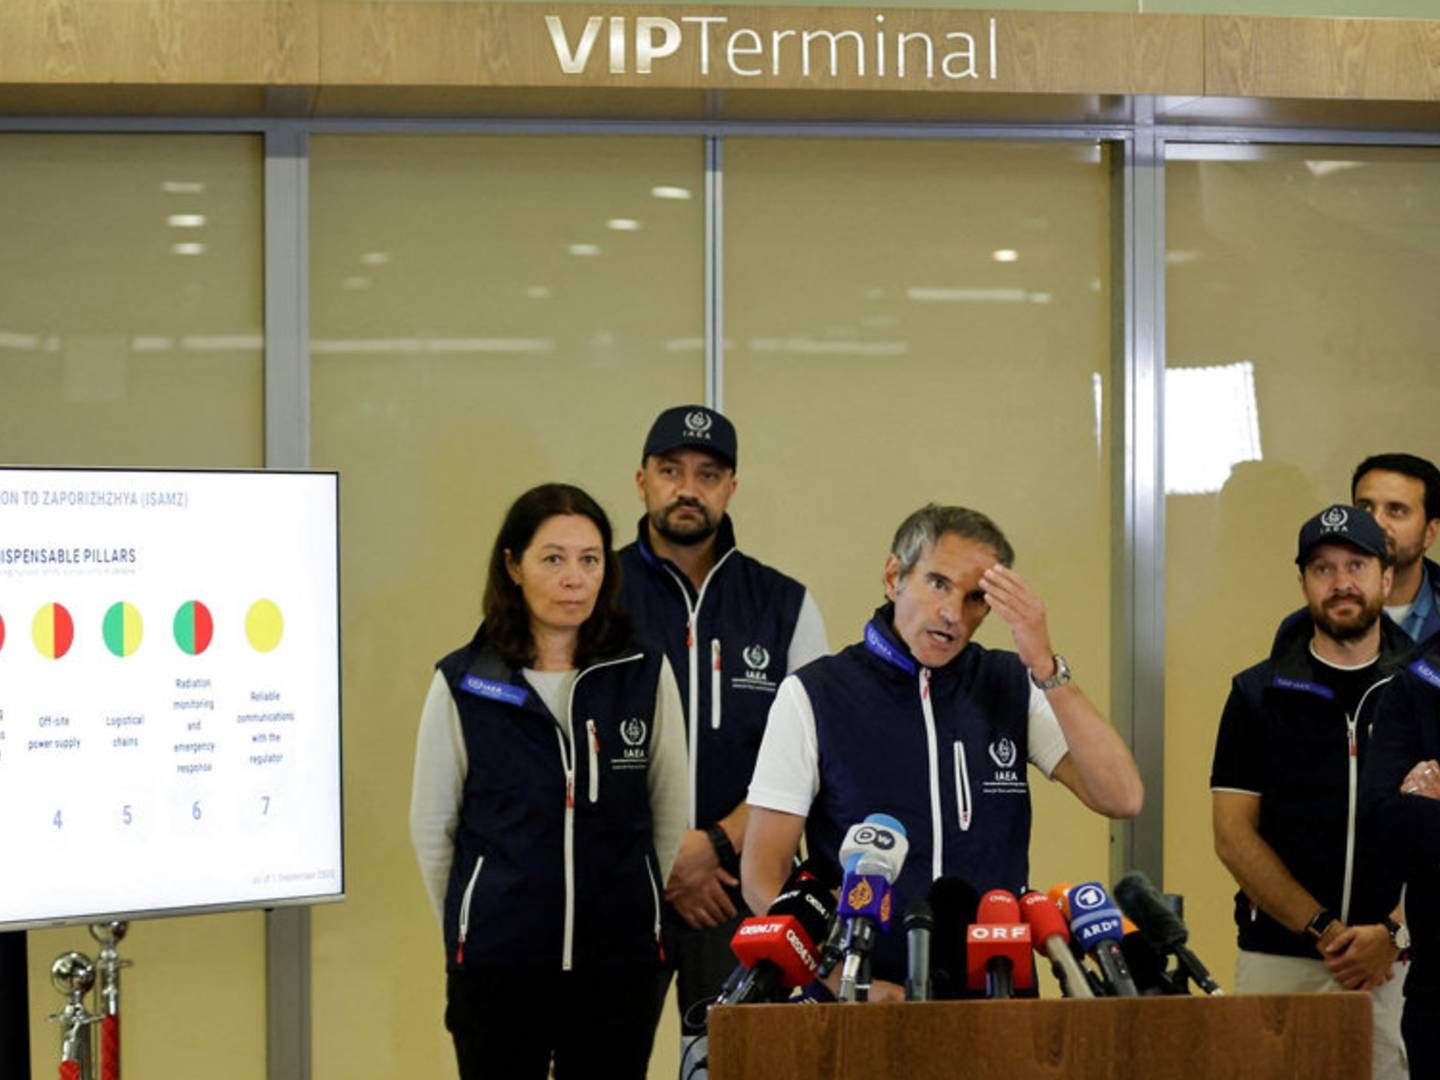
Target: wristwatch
(1060,678)
(1317,926)
(1399,934)
(724,850)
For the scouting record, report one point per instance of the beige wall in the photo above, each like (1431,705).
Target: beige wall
(115,350)
(1313,264)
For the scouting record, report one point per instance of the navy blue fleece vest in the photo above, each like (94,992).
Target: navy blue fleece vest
(751,610)
(875,758)
(507,880)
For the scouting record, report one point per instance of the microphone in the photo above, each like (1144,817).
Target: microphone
(1162,928)
(1049,932)
(997,947)
(919,922)
(1096,924)
(1147,967)
(777,950)
(953,902)
(873,853)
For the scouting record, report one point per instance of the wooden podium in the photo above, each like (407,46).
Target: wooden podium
(1241,1037)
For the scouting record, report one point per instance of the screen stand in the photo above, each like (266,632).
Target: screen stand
(14,1005)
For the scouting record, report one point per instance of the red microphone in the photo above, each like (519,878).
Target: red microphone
(997,947)
(1049,934)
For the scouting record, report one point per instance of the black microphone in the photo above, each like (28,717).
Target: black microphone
(953,903)
(919,923)
(1162,927)
(777,950)
(1147,967)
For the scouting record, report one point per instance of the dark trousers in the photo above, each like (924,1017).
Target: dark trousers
(1420,1027)
(509,1024)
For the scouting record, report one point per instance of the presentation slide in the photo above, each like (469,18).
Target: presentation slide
(169,692)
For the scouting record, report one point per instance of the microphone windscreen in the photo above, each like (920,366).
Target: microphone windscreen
(1060,894)
(919,916)
(998,906)
(1139,899)
(877,845)
(810,904)
(1093,916)
(1044,918)
(953,903)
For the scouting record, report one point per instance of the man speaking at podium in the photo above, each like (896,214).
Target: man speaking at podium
(919,722)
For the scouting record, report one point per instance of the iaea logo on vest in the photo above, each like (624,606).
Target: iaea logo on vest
(1003,753)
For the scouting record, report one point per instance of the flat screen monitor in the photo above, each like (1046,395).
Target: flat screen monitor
(169,693)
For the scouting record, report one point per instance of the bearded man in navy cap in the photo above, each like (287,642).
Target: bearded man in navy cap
(732,628)
(1317,906)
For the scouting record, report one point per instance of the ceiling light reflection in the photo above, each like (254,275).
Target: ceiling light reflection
(1005,255)
(182,187)
(375,258)
(623,224)
(585,249)
(668,191)
(185,221)
(931,294)
(187,249)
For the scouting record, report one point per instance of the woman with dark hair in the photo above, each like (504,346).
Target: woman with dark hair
(550,795)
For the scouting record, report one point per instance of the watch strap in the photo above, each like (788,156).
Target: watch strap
(724,850)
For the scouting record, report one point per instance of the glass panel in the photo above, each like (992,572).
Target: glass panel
(131,334)
(928,321)
(1301,338)
(488,313)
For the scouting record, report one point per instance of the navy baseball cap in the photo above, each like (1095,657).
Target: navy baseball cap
(1340,524)
(692,427)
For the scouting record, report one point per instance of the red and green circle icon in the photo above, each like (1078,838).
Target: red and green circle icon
(194,628)
(122,629)
(53,631)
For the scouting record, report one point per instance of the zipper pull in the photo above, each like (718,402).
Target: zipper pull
(690,633)
(1354,750)
(569,793)
(594,736)
(924,683)
(460,950)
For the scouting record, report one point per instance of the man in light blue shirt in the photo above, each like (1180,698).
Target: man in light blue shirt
(1402,493)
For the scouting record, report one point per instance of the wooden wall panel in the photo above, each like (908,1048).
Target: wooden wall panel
(1356,59)
(159,42)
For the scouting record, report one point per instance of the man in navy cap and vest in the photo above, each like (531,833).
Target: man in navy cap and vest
(1316,909)
(920,722)
(733,628)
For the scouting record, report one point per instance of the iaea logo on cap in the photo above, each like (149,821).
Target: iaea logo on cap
(698,422)
(1335,517)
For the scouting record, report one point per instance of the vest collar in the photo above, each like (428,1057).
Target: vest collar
(724,542)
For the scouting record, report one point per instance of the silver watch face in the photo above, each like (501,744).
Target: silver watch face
(1401,938)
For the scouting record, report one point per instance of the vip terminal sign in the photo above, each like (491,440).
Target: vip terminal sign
(764,46)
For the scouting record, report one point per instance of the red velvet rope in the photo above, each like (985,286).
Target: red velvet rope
(110,1048)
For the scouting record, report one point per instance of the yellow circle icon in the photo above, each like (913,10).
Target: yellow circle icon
(264,625)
